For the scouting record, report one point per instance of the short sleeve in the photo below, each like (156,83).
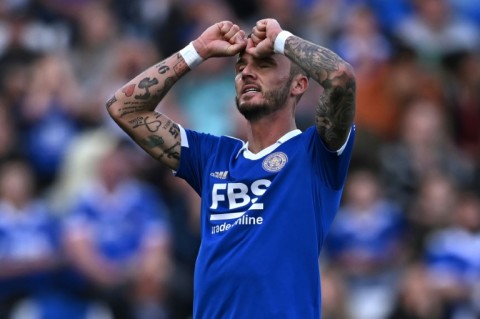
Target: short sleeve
(331,165)
(197,150)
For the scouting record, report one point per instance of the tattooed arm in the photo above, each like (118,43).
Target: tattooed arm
(133,106)
(336,106)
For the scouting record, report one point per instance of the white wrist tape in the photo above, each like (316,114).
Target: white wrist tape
(191,56)
(279,44)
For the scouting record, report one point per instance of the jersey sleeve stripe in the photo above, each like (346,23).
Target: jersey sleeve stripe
(183,137)
(340,151)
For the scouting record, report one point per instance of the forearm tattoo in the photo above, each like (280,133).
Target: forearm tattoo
(145,84)
(152,141)
(133,108)
(336,106)
(171,152)
(145,91)
(151,125)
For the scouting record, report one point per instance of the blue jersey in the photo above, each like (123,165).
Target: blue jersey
(452,256)
(264,218)
(370,234)
(119,223)
(27,236)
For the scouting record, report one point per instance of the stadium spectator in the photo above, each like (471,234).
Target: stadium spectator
(30,253)
(117,241)
(417,298)
(366,244)
(434,29)
(361,42)
(430,210)
(8,134)
(48,115)
(424,146)
(453,262)
(334,294)
(462,84)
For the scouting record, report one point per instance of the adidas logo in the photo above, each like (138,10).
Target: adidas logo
(221,175)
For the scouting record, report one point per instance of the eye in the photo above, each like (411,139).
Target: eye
(239,68)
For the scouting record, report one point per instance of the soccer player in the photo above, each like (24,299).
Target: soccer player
(266,203)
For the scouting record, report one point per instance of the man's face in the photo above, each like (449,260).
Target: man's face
(262,85)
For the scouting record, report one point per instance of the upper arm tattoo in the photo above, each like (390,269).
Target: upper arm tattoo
(335,113)
(336,106)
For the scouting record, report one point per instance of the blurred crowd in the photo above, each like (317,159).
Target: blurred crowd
(92,228)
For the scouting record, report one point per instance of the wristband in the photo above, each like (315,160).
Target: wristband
(191,56)
(279,44)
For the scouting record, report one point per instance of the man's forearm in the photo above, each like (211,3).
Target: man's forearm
(145,91)
(133,109)
(336,106)
(320,63)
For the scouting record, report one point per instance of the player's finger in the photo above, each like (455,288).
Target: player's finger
(261,25)
(237,47)
(259,34)
(225,26)
(231,32)
(254,38)
(238,37)
(250,48)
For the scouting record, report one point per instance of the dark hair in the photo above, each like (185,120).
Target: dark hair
(296,69)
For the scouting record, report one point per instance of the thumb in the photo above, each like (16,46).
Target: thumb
(250,47)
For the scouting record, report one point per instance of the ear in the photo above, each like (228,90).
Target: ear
(299,85)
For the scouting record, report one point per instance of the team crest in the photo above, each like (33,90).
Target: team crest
(275,162)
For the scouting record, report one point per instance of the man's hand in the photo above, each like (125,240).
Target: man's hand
(220,40)
(264,33)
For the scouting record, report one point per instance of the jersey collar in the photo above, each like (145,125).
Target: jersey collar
(253,156)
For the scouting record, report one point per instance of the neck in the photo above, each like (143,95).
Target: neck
(267,130)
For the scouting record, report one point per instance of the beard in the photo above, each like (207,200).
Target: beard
(273,101)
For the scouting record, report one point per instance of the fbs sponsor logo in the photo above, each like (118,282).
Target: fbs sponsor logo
(220,175)
(233,202)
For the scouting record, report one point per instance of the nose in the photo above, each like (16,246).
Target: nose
(248,71)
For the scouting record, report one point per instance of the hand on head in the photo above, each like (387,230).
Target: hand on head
(261,40)
(227,39)
(221,39)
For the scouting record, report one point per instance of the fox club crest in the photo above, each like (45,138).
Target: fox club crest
(275,162)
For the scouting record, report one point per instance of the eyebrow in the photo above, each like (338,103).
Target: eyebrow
(268,59)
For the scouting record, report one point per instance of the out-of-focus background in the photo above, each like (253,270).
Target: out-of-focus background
(92,228)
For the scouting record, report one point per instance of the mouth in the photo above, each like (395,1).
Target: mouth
(250,89)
